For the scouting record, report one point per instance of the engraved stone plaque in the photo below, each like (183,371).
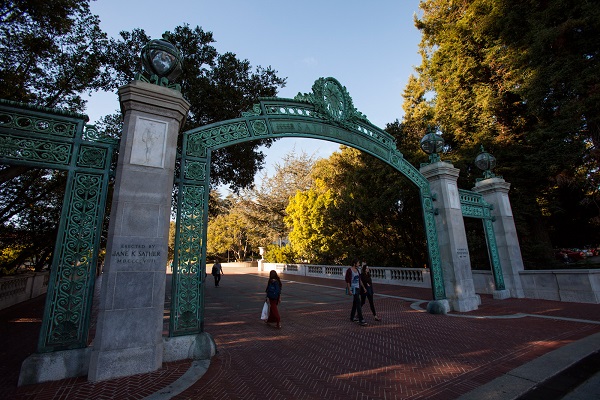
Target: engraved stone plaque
(149,141)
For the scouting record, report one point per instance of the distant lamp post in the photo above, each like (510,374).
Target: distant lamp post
(432,144)
(485,162)
(162,61)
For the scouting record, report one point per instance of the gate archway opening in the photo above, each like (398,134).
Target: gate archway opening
(326,113)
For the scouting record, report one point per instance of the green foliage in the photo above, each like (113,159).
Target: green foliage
(519,77)
(281,254)
(231,232)
(51,52)
(265,206)
(357,207)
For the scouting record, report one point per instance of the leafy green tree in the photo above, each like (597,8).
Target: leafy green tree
(230,232)
(357,207)
(51,53)
(265,206)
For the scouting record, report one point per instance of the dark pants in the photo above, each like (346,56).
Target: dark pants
(217,279)
(356,307)
(364,297)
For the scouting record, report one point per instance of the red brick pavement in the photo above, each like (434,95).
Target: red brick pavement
(320,353)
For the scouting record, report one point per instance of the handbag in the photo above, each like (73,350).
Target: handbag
(265,311)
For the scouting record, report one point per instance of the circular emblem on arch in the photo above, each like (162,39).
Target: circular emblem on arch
(333,98)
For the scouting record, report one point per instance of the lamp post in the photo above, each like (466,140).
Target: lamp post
(432,144)
(485,162)
(162,62)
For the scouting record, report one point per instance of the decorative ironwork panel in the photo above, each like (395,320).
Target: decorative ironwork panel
(19,148)
(71,286)
(488,228)
(187,296)
(437,276)
(47,138)
(36,124)
(92,157)
(473,205)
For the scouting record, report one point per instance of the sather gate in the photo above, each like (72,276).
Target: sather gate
(327,113)
(129,337)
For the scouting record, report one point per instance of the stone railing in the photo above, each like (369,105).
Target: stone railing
(16,289)
(418,277)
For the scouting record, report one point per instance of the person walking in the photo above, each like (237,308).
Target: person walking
(354,284)
(274,295)
(367,293)
(217,270)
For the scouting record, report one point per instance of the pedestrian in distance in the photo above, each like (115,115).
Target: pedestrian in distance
(273,291)
(354,285)
(367,292)
(217,271)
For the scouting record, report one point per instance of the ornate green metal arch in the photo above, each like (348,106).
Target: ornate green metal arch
(474,206)
(46,138)
(327,113)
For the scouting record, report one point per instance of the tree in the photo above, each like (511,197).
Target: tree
(357,207)
(51,53)
(517,77)
(231,232)
(265,206)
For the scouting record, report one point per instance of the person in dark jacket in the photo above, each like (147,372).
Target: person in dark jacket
(217,270)
(273,291)
(367,293)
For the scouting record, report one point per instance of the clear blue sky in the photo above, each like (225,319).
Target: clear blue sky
(369,47)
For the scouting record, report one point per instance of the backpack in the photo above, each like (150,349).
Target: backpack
(273,290)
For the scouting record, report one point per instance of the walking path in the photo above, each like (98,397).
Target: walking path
(500,351)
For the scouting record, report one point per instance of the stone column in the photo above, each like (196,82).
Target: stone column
(452,238)
(128,337)
(495,191)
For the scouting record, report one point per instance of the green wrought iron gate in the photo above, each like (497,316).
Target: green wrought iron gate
(327,113)
(53,139)
(474,206)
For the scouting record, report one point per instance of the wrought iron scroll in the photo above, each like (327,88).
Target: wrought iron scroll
(474,206)
(328,114)
(46,138)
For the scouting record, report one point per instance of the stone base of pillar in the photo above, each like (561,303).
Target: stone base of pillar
(438,307)
(197,347)
(110,364)
(45,367)
(466,304)
(501,294)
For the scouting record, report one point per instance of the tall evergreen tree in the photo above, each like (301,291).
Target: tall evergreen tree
(517,77)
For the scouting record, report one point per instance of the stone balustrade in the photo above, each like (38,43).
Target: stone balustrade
(582,286)
(417,277)
(16,289)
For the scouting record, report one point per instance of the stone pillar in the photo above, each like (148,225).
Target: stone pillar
(452,238)
(495,191)
(128,337)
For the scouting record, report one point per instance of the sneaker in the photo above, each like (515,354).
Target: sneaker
(377,318)
(363,323)
(354,319)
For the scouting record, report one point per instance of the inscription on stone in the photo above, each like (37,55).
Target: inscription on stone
(462,253)
(137,254)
